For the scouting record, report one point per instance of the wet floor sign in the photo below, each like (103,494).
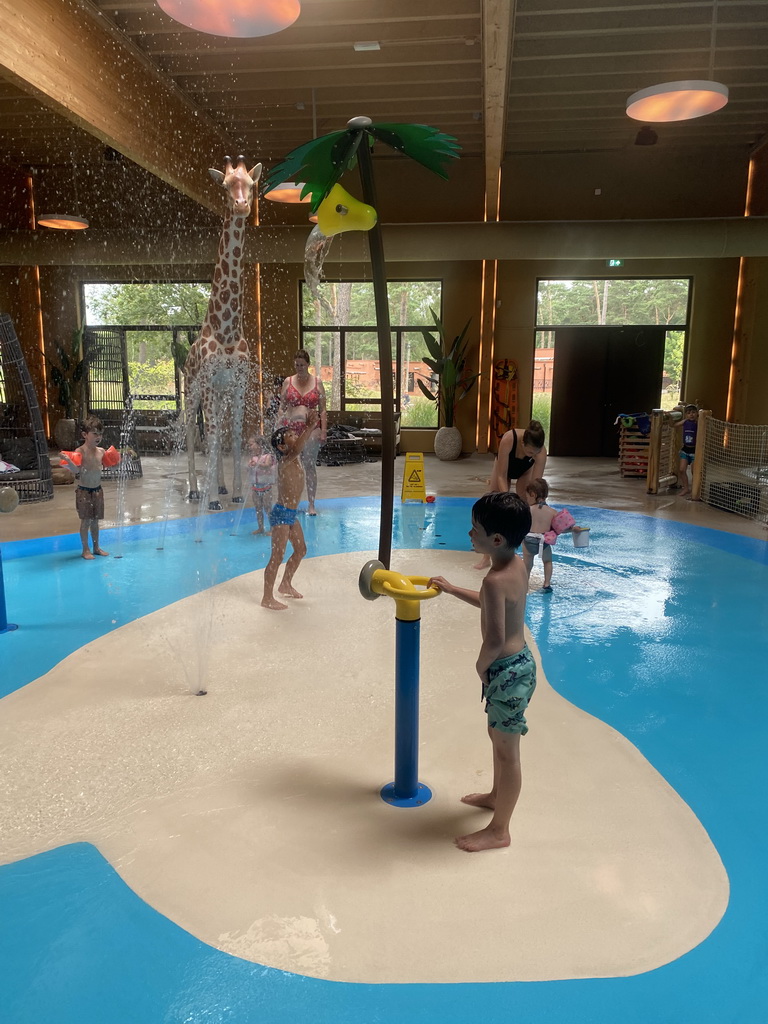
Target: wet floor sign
(413,478)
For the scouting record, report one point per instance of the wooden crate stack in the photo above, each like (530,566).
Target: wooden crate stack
(634,449)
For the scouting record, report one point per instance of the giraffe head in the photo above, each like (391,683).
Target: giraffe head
(238,182)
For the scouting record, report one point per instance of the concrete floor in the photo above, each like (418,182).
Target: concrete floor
(572,481)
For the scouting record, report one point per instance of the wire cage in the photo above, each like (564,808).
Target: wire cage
(22,438)
(107,395)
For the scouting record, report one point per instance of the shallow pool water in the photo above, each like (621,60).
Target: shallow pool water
(657,628)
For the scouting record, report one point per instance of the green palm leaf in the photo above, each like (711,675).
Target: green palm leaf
(427,146)
(321,162)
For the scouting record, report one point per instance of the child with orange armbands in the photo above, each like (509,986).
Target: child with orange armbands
(86,462)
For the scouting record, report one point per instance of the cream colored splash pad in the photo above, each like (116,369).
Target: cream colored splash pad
(251,816)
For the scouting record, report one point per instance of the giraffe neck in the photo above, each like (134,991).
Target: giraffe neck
(223,316)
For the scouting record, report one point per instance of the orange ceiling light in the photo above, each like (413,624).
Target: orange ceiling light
(62,221)
(242,19)
(288,192)
(677,101)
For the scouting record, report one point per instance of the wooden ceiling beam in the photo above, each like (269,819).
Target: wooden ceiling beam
(322,37)
(77,65)
(399,55)
(326,79)
(498,19)
(137,19)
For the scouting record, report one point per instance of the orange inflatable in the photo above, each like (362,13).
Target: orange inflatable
(111,457)
(75,457)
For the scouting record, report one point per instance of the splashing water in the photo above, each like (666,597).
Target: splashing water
(315,254)
(126,433)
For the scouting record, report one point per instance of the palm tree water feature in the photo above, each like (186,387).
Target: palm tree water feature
(320,164)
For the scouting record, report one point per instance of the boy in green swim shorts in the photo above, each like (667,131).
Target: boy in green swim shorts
(505,664)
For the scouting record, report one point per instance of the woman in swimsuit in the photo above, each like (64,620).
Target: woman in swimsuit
(301,394)
(522,458)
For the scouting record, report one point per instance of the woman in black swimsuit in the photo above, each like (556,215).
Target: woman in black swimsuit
(521,458)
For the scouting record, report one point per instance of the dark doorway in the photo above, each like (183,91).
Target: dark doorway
(601,372)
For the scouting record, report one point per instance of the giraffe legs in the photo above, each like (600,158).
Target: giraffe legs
(238,412)
(191,425)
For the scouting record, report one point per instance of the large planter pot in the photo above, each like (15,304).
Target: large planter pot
(448,443)
(65,435)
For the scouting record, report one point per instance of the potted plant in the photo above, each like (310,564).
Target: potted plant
(67,373)
(449,373)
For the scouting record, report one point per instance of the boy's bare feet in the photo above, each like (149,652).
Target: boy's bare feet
(479,800)
(270,602)
(485,839)
(288,590)
(262,531)
(101,551)
(87,554)
(482,564)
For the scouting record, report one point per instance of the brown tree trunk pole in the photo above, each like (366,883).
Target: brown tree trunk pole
(384,332)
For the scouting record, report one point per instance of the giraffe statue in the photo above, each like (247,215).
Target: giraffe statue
(216,369)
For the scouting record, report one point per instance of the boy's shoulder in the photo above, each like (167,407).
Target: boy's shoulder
(507,577)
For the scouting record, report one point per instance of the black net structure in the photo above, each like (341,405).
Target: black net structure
(107,395)
(22,438)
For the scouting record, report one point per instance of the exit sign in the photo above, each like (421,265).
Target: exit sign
(614,263)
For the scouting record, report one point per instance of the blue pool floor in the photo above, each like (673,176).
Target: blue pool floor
(658,629)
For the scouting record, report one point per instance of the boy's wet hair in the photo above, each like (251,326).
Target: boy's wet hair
(278,438)
(91,423)
(691,408)
(505,513)
(533,435)
(539,488)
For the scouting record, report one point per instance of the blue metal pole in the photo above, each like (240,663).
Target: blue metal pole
(407,635)
(5,625)
(406,790)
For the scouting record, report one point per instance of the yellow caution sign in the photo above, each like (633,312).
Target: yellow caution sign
(413,478)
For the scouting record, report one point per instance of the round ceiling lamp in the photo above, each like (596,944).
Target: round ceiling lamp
(677,101)
(242,19)
(288,192)
(62,221)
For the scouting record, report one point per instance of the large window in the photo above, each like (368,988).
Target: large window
(610,302)
(338,329)
(157,318)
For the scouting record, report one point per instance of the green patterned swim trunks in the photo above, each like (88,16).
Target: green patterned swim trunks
(511,682)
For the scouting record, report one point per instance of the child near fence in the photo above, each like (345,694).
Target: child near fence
(688,450)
